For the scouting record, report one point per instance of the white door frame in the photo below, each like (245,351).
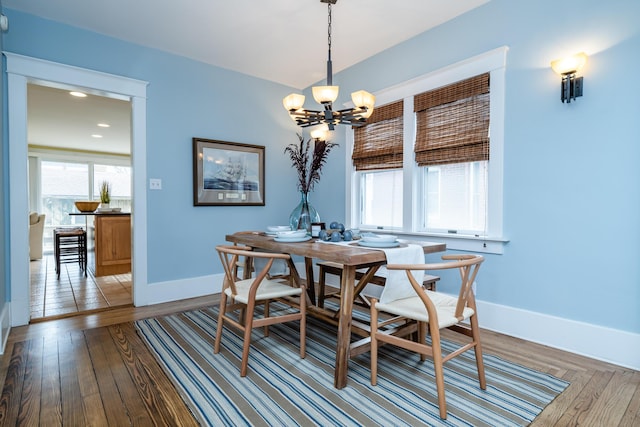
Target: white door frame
(20,71)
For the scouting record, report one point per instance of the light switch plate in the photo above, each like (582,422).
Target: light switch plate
(155,184)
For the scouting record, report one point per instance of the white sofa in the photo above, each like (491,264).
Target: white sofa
(36,231)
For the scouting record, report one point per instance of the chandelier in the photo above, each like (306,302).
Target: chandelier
(362,100)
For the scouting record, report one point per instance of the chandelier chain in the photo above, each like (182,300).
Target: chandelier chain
(329,31)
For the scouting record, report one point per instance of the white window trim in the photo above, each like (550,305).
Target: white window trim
(493,62)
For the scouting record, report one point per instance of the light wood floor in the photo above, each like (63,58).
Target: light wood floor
(95,370)
(73,292)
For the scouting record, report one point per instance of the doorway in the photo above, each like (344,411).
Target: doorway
(22,70)
(77,141)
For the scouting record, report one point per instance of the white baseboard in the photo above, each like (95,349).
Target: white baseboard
(5,325)
(176,290)
(598,342)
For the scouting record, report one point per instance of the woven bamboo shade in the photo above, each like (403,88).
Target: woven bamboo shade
(378,144)
(453,123)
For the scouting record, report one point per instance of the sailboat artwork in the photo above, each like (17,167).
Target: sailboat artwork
(231,173)
(228,173)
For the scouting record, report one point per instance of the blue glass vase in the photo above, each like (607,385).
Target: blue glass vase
(304,214)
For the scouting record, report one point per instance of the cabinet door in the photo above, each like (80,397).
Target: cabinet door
(113,245)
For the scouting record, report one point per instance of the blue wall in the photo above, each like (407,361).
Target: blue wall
(185,99)
(572,191)
(572,187)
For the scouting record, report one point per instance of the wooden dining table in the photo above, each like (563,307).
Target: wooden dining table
(352,257)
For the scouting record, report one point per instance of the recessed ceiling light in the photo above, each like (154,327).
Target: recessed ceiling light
(104,125)
(95,135)
(78,94)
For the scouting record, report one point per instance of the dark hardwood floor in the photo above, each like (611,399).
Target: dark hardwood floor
(95,370)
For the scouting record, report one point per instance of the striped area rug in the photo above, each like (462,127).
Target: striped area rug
(283,390)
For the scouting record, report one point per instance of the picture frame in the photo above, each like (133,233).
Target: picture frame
(227,173)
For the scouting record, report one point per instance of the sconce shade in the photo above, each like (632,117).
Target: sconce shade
(571,86)
(569,65)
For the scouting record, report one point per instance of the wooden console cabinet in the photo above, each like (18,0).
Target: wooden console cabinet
(113,244)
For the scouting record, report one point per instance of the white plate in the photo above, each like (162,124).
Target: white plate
(291,234)
(276,228)
(379,238)
(292,239)
(372,244)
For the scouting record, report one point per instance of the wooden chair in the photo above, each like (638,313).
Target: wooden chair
(247,267)
(244,294)
(437,311)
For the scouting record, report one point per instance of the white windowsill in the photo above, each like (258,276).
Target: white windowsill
(459,242)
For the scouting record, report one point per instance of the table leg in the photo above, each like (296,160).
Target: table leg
(347,284)
(311,284)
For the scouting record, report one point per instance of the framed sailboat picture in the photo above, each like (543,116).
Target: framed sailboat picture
(227,173)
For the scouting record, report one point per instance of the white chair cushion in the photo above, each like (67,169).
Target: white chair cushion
(413,308)
(268,289)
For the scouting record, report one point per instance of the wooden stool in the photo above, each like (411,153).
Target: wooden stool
(335,269)
(70,245)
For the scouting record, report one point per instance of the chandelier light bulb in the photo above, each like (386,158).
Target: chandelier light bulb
(363,99)
(325,94)
(293,101)
(321,133)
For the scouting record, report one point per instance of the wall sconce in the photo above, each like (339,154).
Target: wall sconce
(568,67)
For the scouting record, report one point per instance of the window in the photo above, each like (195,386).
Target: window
(449,188)
(61,184)
(455,198)
(382,189)
(119,178)
(452,149)
(57,179)
(377,153)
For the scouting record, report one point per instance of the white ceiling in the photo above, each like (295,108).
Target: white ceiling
(57,119)
(284,41)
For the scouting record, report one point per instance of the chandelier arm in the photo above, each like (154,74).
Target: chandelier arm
(352,110)
(305,112)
